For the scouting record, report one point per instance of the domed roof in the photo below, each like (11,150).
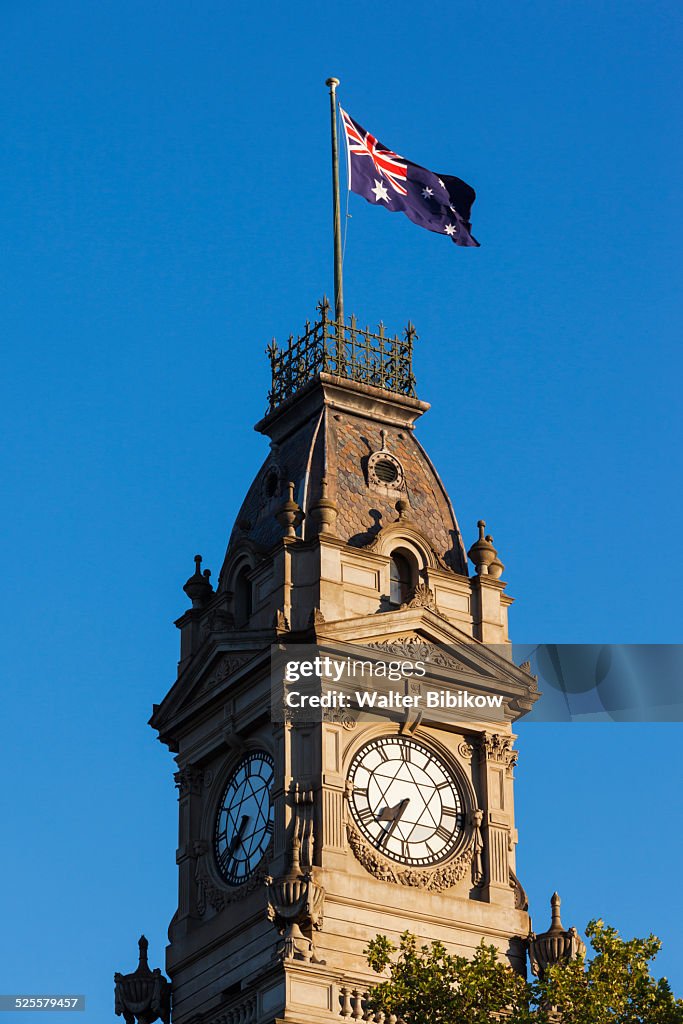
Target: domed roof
(361,439)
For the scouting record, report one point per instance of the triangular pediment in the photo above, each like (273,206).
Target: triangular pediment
(422,634)
(207,677)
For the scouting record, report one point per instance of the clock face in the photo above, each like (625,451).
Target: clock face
(405,801)
(245,819)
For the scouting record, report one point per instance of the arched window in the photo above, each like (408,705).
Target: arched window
(243,597)
(401,576)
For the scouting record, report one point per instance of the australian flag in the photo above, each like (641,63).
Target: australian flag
(438,202)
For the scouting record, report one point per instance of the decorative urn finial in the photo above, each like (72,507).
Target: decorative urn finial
(483,554)
(556,945)
(325,511)
(198,587)
(143,996)
(289,515)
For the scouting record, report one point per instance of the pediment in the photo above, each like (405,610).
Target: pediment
(205,679)
(421,634)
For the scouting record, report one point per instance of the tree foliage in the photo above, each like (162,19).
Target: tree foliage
(424,984)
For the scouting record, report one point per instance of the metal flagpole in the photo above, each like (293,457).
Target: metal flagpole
(338,279)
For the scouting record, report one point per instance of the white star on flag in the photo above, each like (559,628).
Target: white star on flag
(450,229)
(441,183)
(380,192)
(427,192)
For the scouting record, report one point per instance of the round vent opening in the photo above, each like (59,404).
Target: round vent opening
(385,471)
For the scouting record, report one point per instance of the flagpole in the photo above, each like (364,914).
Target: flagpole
(336,205)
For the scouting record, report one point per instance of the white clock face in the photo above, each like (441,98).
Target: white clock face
(405,801)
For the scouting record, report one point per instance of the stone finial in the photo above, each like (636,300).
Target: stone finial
(143,996)
(289,515)
(295,906)
(198,587)
(555,946)
(325,511)
(483,554)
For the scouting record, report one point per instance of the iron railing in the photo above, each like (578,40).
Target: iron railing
(349,351)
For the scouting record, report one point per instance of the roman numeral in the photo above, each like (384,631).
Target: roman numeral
(366,815)
(443,833)
(406,753)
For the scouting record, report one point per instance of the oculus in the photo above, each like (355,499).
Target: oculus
(385,472)
(405,801)
(244,824)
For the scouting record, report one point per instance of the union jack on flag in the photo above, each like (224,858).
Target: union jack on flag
(440,203)
(387,164)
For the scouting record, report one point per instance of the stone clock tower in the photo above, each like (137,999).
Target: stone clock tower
(299,841)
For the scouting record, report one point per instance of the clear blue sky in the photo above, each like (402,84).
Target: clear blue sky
(165,211)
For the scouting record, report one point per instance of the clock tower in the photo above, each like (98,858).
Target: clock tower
(301,837)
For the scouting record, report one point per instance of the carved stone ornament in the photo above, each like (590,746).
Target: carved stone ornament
(437,879)
(466,750)
(414,648)
(499,748)
(336,717)
(295,906)
(557,945)
(422,597)
(521,898)
(219,896)
(302,799)
(143,996)
(281,622)
(476,818)
(188,780)
(316,618)
(228,664)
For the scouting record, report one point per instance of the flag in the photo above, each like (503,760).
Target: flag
(438,202)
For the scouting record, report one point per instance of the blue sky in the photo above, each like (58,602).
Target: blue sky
(165,211)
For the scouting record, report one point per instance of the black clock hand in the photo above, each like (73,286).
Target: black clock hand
(237,838)
(393,815)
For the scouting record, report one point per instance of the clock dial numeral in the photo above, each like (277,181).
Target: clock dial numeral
(366,815)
